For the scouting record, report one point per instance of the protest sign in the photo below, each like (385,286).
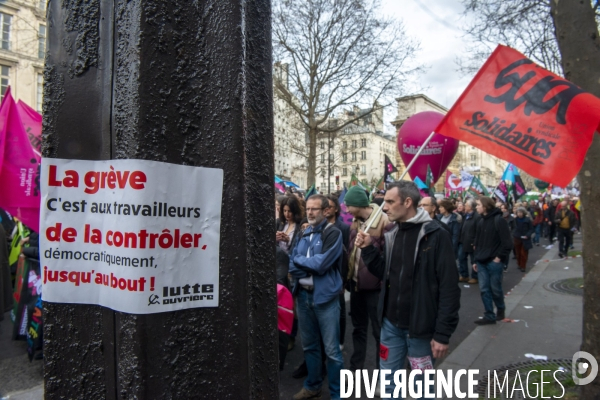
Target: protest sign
(136,236)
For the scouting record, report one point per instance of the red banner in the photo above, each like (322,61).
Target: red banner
(526,115)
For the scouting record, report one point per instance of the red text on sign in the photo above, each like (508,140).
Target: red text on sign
(96,180)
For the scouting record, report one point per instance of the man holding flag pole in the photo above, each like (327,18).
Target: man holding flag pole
(414,278)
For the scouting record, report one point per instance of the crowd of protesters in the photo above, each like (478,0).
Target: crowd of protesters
(20,284)
(383,260)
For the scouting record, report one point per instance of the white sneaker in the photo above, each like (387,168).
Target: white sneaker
(341,347)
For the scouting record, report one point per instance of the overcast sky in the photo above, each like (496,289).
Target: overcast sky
(436,24)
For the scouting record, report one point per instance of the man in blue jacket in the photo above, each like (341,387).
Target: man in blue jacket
(315,265)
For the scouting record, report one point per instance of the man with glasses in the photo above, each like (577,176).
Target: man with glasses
(315,263)
(429,205)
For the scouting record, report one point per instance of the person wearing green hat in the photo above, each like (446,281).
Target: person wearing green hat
(356,197)
(363,286)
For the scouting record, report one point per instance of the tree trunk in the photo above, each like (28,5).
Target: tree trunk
(577,36)
(312,157)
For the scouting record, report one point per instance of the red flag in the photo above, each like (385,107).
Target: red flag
(19,167)
(524,114)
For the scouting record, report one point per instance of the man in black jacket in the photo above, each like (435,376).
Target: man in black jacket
(493,243)
(420,298)
(465,243)
(549,217)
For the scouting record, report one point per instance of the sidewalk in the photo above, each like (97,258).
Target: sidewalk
(550,325)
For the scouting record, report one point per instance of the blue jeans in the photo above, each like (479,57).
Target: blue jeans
(464,265)
(400,346)
(318,321)
(538,233)
(490,286)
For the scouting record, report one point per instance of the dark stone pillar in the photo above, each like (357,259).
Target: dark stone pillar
(186,82)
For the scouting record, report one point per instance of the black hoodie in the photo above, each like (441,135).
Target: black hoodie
(492,238)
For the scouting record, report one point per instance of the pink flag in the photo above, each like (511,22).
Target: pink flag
(19,167)
(32,122)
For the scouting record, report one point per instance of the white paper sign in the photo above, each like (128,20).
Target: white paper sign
(136,236)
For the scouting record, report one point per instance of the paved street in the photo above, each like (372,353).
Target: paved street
(17,374)
(471,308)
(22,379)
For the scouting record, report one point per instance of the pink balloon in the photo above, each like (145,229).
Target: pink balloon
(439,151)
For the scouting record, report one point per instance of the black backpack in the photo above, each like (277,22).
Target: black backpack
(342,266)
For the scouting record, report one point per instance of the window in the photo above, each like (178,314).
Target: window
(4,79)
(344,157)
(322,145)
(344,171)
(473,164)
(354,144)
(363,155)
(363,142)
(42,5)
(344,144)
(330,156)
(42,41)
(354,156)
(473,157)
(40,92)
(363,169)
(5,21)
(322,158)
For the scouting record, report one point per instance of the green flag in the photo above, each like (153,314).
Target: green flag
(430,182)
(353,181)
(310,192)
(477,188)
(380,185)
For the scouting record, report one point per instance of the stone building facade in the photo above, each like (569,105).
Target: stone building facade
(22,49)
(358,148)
(289,135)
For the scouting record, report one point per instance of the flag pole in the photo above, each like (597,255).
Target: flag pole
(425,143)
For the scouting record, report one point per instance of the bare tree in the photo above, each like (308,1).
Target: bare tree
(563,36)
(524,25)
(340,53)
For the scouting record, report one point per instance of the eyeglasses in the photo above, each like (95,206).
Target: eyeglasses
(313,209)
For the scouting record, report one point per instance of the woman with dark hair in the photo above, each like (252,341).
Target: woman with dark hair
(278,199)
(290,219)
(451,220)
(522,237)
